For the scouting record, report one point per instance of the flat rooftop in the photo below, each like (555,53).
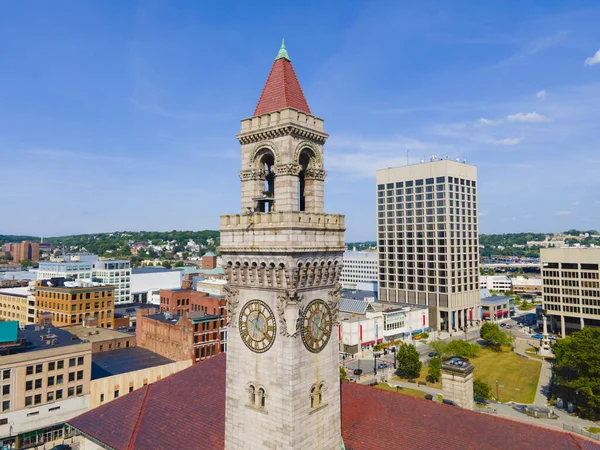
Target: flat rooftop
(16,291)
(140,270)
(37,337)
(96,334)
(115,362)
(131,308)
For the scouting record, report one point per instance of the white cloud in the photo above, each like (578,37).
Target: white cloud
(506,141)
(484,121)
(541,95)
(593,59)
(531,117)
(575,203)
(563,213)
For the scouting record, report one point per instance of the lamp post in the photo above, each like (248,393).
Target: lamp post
(497,394)
(393,350)
(375,355)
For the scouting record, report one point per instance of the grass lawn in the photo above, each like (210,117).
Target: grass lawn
(594,430)
(517,377)
(406,391)
(422,377)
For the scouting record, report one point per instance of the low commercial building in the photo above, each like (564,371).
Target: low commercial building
(119,372)
(500,283)
(71,301)
(360,271)
(45,381)
(146,283)
(212,286)
(102,339)
(126,315)
(195,336)
(531,286)
(571,288)
(177,301)
(17,304)
(366,323)
(495,308)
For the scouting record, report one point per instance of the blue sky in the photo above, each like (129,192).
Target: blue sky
(122,115)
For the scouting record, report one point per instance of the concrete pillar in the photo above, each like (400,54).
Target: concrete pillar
(562,326)
(457,382)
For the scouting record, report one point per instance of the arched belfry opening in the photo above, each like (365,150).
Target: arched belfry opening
(304,161)
(265,161)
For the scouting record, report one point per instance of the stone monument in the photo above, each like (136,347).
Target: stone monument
(545,349)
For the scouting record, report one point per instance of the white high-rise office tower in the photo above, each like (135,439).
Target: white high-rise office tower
(428,239)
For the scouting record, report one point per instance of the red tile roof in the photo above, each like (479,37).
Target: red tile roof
(282,90)
(373,419)
(183,411)
(187,411)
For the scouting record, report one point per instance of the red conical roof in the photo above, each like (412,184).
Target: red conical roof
(282,89)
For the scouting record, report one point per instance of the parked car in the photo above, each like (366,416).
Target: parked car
(432,354)
(481,401)
(428,397)
(509,326)
(537,336)
(502,324)
(358,371)
(382,366)
(449,402)
(552,337)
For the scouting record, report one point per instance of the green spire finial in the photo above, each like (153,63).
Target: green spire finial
(282,54)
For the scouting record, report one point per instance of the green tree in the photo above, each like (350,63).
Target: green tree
(434,370)
(462,349)
(485,328)
(577,369)
(494,337)
(166,264)
(343,374)
(179,264)
(441,349)
(409,364)
(25,263)
(481,389)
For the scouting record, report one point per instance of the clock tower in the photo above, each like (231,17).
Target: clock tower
(282,257)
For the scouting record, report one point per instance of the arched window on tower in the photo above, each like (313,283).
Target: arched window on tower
(261,398)
(252,395)
(304,160)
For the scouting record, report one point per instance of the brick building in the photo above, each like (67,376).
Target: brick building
(196,335)
(25,250)
(177,301)
(209,261)
(70,302)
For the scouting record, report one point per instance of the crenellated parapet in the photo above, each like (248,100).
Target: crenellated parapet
(282,123)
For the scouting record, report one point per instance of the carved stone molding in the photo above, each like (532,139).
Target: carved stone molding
(315,174)
(233,301)
(288,309)
(333,303)
(273,133)
(287,169)
(252,174)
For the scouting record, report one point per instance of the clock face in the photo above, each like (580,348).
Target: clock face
(316,326)
(257,326)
